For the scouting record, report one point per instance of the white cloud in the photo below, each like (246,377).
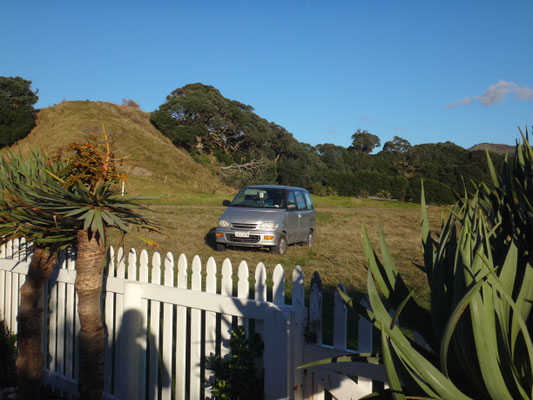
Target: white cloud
(494,94)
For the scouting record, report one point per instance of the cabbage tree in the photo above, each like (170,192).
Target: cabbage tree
(20,217)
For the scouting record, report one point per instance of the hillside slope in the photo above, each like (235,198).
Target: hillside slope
(155,165)
(495,148)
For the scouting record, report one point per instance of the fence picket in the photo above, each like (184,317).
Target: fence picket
(61,325)
(210,317)
(226,322)
(155,320)
(196,333)
(132,265)
(278,288)
(15,286)
(168,328)
(119,310)
(339,319)
(365,345)
(9,249)
(260,293)
(53,325)
(109,315)
(3,293)
(298,305)
(243,290)
(143,277)
(315,309)
(181,333)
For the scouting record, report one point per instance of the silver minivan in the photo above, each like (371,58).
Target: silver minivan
(267,216)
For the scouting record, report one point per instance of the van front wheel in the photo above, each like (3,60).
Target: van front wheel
(281,246)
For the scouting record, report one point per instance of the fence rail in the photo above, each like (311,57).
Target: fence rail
(163,318)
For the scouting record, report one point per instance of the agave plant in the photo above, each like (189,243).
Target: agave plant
(21,217)
(477,333)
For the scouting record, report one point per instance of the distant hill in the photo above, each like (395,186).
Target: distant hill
(155,165)
(495,148)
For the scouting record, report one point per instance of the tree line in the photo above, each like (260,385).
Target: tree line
(243,148)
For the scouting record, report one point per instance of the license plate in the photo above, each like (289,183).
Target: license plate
(242,234)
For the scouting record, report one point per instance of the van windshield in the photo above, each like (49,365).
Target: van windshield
(259,198)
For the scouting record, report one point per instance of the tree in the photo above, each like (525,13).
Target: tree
(20,216)
(364,142)
(17,115)
(84,193)
(397,145)
(69,199)
(198,118)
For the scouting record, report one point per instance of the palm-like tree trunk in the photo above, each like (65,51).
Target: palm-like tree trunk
(90,262)
(30,359)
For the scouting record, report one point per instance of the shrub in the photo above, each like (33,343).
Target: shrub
(236,376)
(8,355)
(130,103)
(435,192)
(17,115)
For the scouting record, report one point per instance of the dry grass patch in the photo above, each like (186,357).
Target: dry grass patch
(337,254)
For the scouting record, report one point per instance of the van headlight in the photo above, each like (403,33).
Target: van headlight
(268,225)
(223,223)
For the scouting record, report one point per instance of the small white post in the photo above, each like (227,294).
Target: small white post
(130,349)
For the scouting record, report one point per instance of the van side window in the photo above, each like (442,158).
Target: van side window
(308,200)
(291,199)
(300,202)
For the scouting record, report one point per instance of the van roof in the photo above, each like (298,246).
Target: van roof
(275,187)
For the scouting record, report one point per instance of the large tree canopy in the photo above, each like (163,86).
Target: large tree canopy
(198,118)
(364,141)
(17,115)
(397,145)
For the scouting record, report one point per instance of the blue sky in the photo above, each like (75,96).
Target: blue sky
(427,71)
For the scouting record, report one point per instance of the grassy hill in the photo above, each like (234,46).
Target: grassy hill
(155,166)
(495,148)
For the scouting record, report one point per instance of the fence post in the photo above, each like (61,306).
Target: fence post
(130,350)
(276,355)
(365,343)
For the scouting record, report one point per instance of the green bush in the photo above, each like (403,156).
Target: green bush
(8,355)
(236,376)
(435,192)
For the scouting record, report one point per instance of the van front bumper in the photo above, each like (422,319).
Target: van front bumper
(233,237)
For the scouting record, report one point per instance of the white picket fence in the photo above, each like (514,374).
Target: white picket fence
(163,319)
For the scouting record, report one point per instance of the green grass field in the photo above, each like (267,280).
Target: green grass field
(337,254)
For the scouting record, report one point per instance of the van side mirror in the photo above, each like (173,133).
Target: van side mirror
(226,203)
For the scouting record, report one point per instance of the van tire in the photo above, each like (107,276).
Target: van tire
(220,246)
(281,247)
